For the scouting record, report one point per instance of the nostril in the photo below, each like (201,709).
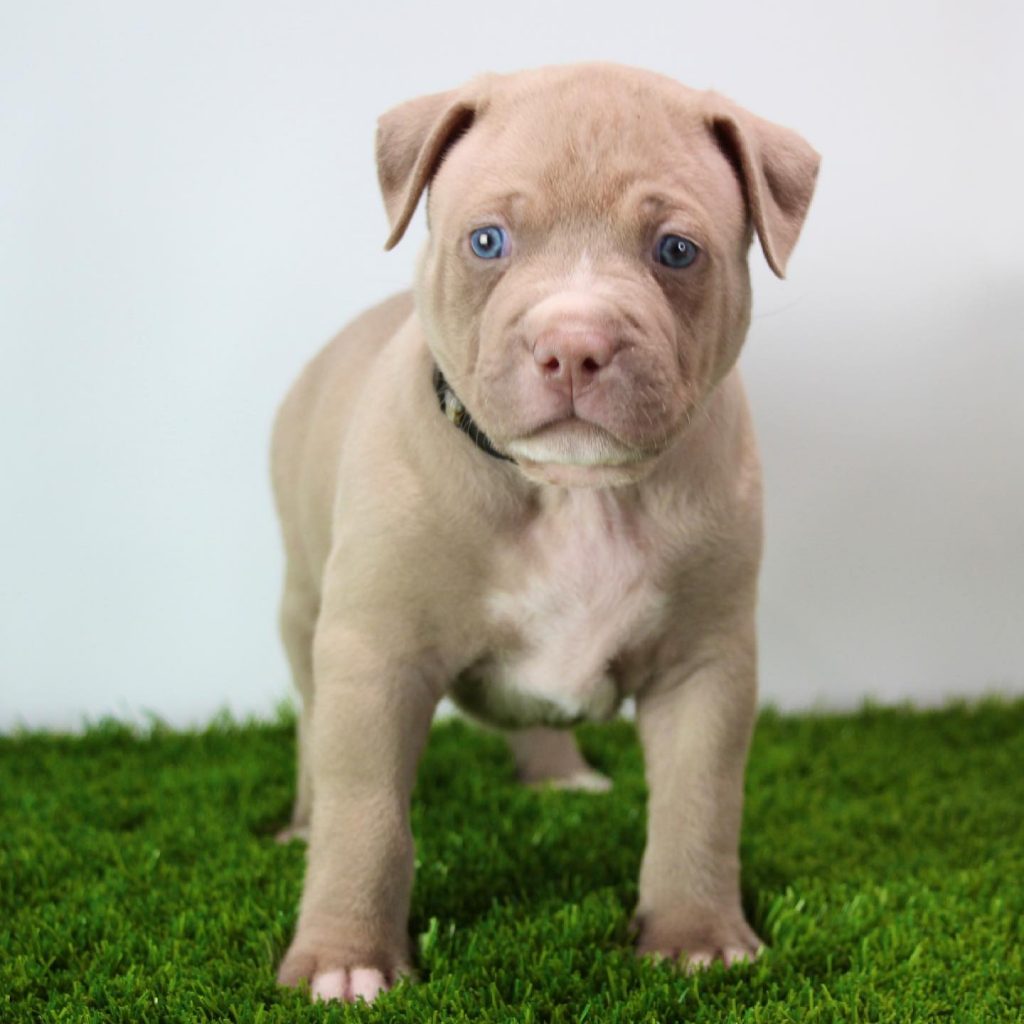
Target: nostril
(573,356)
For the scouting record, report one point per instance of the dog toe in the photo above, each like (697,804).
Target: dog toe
(367,983)
(330,985)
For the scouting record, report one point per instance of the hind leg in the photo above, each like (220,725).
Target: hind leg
(299,608)
(550,757)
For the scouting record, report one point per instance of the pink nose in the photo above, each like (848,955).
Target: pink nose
(570,359)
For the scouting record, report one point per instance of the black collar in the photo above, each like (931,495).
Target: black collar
(459,415)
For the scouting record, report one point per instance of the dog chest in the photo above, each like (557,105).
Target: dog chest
(572,593)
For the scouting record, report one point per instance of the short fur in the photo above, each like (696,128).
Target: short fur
(618,556)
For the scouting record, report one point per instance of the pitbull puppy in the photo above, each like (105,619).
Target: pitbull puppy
(532,484)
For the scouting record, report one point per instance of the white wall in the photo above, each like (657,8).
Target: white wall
(188,208)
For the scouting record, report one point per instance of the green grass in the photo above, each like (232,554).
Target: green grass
(883,863)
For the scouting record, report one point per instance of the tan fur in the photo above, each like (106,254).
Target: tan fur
(618,557)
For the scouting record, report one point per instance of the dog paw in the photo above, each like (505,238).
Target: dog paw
(349,984)
(340,972)
(586,781)
(699,940)
(286,835)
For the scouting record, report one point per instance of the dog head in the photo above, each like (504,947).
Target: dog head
(585,282)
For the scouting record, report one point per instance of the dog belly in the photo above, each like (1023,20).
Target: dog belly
(492,692)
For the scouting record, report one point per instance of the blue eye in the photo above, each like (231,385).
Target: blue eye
(676,252)
(489,243)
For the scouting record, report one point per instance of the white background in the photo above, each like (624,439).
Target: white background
(188,209)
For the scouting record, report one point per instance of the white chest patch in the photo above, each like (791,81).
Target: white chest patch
(575,593)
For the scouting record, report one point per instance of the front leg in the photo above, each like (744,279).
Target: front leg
(372,714)
(695,729)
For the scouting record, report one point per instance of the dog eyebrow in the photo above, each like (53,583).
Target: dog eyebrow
(663,202)
(654,202)
(504,202)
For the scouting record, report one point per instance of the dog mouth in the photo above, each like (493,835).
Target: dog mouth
(574,442)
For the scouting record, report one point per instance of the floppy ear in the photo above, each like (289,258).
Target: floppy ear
(411,141)
(778,169)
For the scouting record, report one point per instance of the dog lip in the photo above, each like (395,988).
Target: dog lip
(566,419)
(569,423)
(571,440)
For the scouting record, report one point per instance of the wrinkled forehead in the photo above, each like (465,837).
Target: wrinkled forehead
(592,149)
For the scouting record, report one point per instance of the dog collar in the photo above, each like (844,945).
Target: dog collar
(453,408)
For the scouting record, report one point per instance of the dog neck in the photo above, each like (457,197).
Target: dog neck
(453,408)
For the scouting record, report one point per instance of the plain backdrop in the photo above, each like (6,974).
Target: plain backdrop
(189,209)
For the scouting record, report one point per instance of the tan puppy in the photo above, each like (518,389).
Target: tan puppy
(584,523)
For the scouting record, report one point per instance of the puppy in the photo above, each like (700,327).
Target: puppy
(532,484)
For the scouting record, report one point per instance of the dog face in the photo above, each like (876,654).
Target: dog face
(585,282)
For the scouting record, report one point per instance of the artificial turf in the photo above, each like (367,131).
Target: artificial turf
(883,858)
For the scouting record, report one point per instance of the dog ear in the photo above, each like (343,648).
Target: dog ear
(411,141)
(778,170)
